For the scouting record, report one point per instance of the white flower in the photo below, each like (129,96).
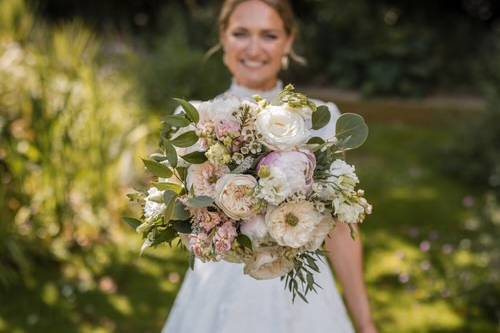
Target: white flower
(285,173)
(268,263)
(292,224)
(234,195)
(343,175)
(219,109)
(255,228)
(203,177)
(154,206)
(348,212)
(274,189)
(319,234)
(281,128)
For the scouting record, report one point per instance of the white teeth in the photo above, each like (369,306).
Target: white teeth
(253,64)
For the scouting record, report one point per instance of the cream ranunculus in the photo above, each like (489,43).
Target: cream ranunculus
(281,128)
(268,263)
(234,195)
(293,223)
(319,234)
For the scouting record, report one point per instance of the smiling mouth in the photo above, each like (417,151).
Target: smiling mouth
(253,64)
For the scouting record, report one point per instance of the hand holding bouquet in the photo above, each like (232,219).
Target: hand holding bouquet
(247,182)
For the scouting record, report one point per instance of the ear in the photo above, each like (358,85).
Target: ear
(289,43)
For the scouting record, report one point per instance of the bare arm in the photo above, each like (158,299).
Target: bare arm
(346,256)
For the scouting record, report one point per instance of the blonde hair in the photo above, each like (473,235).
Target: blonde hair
(282,7)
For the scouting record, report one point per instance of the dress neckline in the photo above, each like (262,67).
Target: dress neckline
(243,92)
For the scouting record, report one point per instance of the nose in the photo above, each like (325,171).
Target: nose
(253,48)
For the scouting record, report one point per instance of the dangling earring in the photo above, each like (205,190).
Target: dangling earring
(284,62)
(224,58)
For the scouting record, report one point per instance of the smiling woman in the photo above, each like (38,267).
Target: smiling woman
(257,38)
(256,42)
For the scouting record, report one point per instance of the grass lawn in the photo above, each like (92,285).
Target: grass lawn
(416,224)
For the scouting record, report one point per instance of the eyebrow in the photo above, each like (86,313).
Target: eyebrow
(276,31)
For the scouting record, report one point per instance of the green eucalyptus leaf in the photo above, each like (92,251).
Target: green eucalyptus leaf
(185,139)
(244,241)
(320,117)
(157,157)
(190,110)
(196,157)
(182,173)
(170,197)
(351,131)
(164,236)
(200,202)
(132,222)
(157,169)
(180,212)
(177,121)
(168,187)
(183,227)
(170,153)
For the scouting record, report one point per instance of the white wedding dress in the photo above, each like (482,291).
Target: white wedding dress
(219,298)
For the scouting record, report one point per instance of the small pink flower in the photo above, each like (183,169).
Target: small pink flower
(224,237)
(206,219)
(203,177)
(198,244)
(227,127)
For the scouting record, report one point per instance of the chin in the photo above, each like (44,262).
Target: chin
(256,80)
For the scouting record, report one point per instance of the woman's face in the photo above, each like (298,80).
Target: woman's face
(254,43)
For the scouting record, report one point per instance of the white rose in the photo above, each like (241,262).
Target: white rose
(255,228)
(234,195)
(293,223)
(268,263)
(281,128)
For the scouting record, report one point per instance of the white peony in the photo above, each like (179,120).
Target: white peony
(293,223)
(281,128)
(268,263)
(255,228)
(234,195)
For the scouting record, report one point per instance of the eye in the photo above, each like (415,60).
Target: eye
(239,34)
(270,36)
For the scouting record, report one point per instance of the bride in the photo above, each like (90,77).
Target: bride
(257,38)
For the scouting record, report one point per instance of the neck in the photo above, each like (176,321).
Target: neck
(265,86)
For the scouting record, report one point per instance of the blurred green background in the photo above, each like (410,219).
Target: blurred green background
(84,86)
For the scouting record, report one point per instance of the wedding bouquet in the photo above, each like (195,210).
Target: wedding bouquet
(247,182)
